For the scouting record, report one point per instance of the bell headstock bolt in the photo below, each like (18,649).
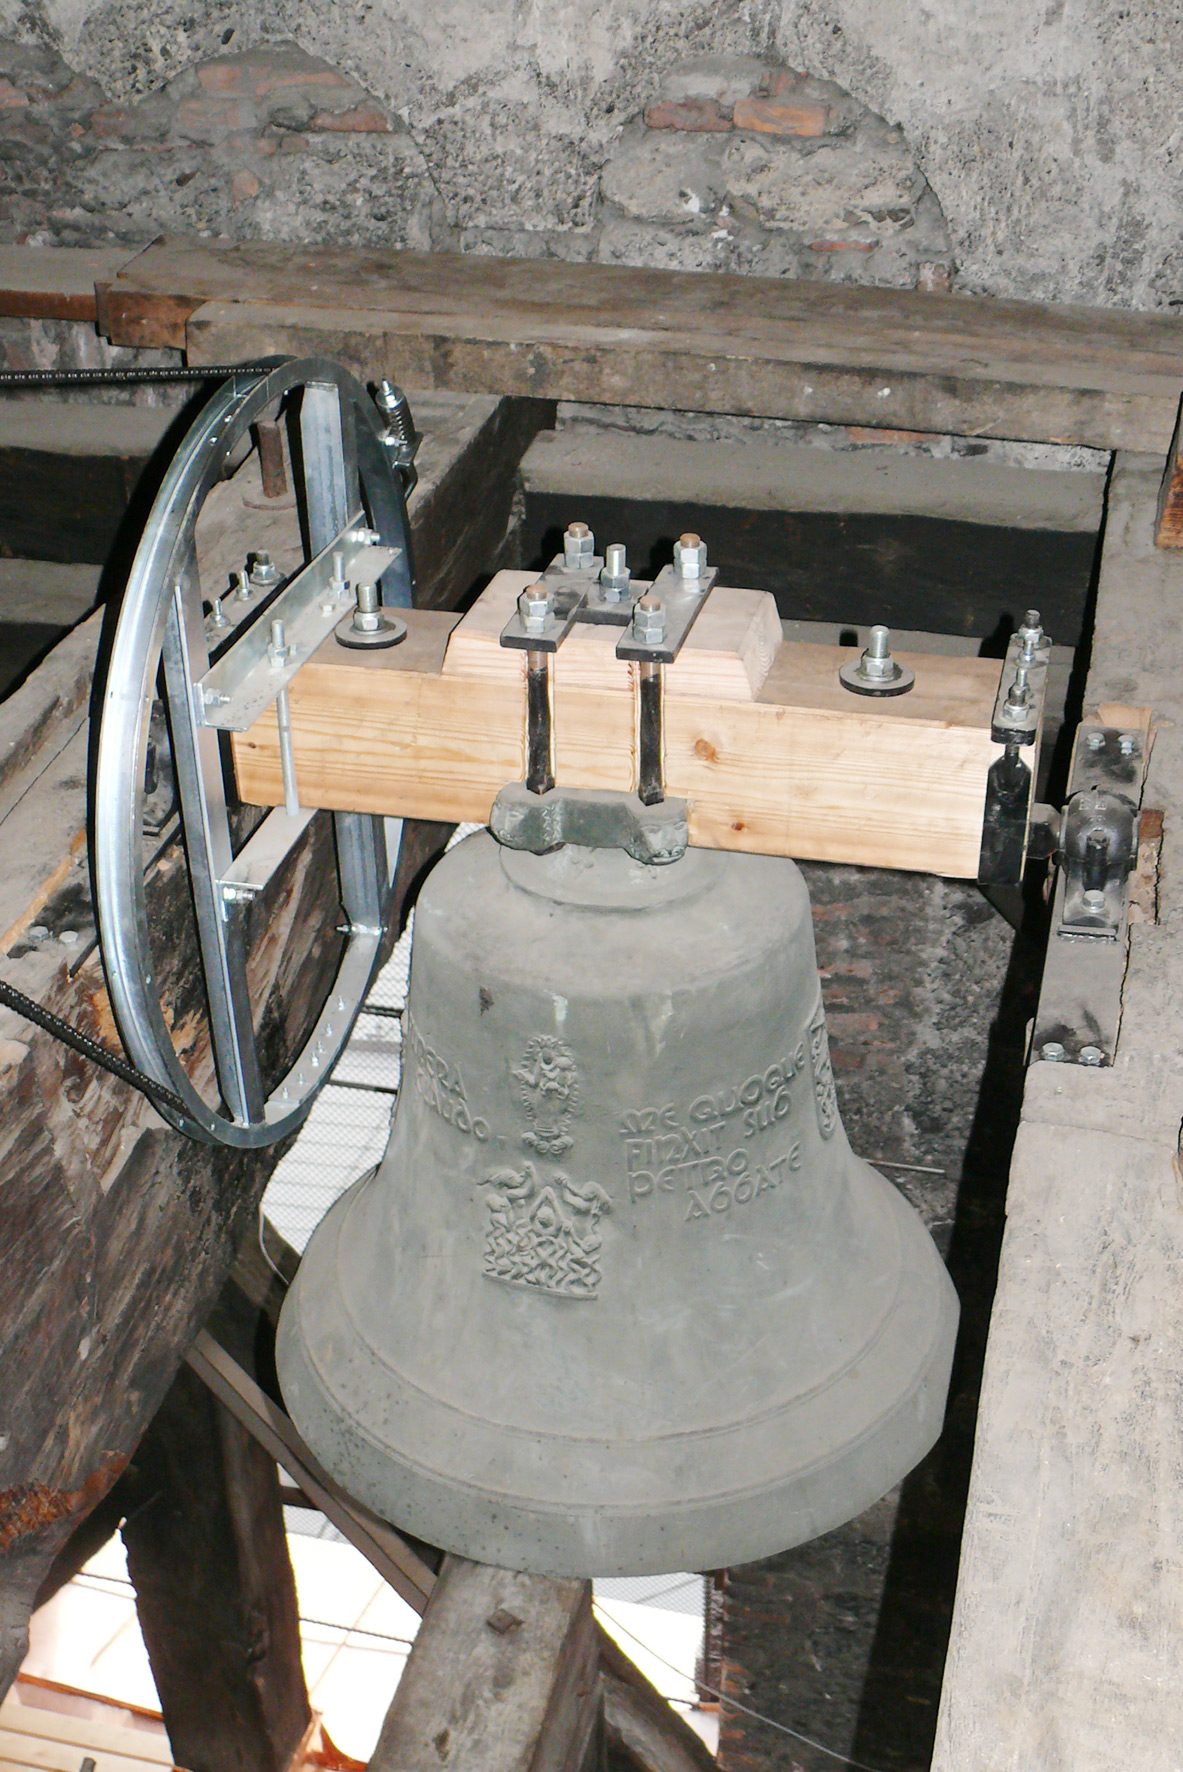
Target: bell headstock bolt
(690,556)
(614,574)
(579,545)
(649,619)
(534,607)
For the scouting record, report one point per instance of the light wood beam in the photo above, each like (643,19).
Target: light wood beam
(772,754)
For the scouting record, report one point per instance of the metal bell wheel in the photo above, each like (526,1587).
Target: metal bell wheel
(191,660)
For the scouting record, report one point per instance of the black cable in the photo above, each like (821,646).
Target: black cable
(91,1049)
(53,378)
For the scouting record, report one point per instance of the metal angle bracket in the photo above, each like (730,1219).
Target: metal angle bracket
(1080,998)
(250,672)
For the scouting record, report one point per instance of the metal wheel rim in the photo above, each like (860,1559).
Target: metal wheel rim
(155,585)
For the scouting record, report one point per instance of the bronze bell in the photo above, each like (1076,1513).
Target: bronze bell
(620,1298)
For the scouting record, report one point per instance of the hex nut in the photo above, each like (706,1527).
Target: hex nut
(690,556)
(579,545)
(534,607)
(262,570)
(649,620)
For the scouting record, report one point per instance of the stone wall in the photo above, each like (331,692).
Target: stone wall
(1030,148)
(738,164)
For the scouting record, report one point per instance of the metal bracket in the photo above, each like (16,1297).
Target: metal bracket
(682,600)
(246,678)
(1022,686)
(1080,1000)
(1006,820)
(590,819)
(262,855)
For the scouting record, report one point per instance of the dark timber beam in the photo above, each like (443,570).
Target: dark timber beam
(504,1676)
(208,1555)
(622,335)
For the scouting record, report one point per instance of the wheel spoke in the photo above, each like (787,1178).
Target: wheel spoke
(329,450)
(202,790)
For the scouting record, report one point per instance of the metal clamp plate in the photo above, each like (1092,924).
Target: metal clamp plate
(683,600)
(1080,998)
(1022,689)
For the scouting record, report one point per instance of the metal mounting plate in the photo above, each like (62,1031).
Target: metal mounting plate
(683,600)
(244,680)
(1080,997)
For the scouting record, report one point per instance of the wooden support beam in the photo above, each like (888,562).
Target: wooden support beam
(55,282)
(207,1554)
(628,336)
(773,755)
(1064,1647)
(504,1676)
(379,1543)
(638,1736)
(1168,518)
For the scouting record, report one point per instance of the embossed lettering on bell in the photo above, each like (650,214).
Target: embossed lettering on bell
(620,1298)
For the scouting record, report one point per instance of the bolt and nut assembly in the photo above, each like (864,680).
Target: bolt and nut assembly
(370,625)
(1018,696)
(262,572)
(877,672)
(534,608)
(649,620)
(690,556)
(579,546)
(614,574)
(1032,638)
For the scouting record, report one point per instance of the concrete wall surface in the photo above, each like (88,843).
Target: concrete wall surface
(1031,149)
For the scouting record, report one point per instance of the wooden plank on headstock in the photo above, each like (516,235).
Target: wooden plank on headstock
(790,765)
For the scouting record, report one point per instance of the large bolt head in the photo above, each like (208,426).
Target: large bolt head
(534,607)
(649,620)
(579,545)
(690,556)
(262,569)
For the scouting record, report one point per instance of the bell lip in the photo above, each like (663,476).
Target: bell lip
(562,1538)
(880,1197)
